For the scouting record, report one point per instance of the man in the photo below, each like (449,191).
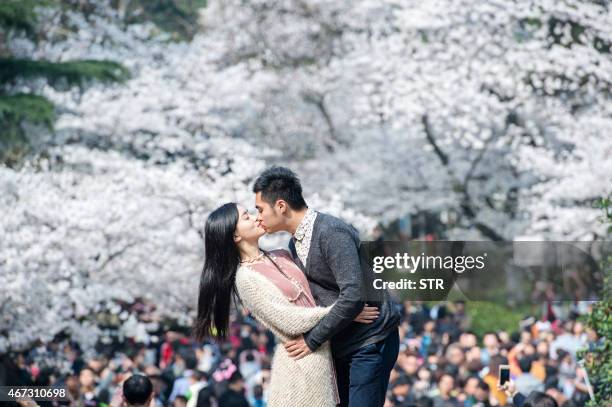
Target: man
(492,378)
(137,391)
(526,382)
(87,379)
(444,397)
(234,395)
(185,357)
(327,250)
(199,381)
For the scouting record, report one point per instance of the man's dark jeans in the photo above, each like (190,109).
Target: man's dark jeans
(363,376)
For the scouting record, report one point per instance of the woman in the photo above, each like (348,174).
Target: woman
(273,288)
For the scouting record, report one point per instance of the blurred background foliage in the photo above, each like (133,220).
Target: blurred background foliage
(598,360)
(20,105)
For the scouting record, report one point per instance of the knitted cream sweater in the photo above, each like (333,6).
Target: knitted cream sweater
(309,381)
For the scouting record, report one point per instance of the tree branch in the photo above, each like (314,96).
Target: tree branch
(430,137)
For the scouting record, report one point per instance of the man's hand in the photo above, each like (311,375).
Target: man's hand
(297,348)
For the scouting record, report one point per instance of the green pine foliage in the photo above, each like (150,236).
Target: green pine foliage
(14,111)
(72,73)
(178,17)
(19,16)
(489,316)
(22,106)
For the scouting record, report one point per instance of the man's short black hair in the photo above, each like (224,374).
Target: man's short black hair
(539,399)
(525,364)
(189,356)
(482,385)
(280,183)
(235,377)
(137,389)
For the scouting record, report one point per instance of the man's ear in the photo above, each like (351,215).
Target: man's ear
(282,206)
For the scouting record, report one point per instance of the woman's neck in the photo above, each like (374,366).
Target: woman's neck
(249,251)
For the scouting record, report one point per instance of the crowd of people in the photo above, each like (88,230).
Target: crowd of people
(441,363)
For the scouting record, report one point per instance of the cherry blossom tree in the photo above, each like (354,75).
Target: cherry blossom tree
(477,108)
(496,111)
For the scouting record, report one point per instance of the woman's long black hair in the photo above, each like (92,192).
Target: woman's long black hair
(217,282)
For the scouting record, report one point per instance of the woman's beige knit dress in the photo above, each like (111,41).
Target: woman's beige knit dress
(284,304)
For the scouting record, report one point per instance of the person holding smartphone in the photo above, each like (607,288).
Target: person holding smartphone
(492,378)
(534,399)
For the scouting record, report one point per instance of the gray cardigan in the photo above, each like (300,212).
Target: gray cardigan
(335,275)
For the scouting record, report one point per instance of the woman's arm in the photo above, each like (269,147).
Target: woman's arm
(265,301)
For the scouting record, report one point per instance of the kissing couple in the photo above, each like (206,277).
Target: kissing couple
(333,347)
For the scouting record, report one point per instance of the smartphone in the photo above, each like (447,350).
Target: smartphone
(504,374)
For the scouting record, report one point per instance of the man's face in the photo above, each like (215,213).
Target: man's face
(446,384)
(543,348)
(470,386)
(455,356)
(87,378)
(481,394)
(490,341)
(269,216)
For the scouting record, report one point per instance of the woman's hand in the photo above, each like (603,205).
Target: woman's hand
(367,315)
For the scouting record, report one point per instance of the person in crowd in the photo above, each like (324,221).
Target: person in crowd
(533,399)
(425,370)
(138,391)
(234,395)
(444,396)
(492,378)
(188,362)
(400,393)
(527,382)
(179,401)
(88,388)
(257,400)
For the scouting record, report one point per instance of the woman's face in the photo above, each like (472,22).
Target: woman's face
(247,227)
